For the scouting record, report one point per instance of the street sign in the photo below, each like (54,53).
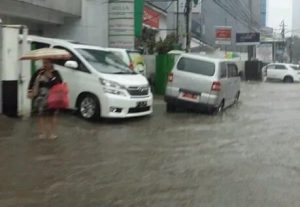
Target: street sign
(223,35)
(251,38)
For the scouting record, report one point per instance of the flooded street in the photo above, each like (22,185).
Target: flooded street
(249,156)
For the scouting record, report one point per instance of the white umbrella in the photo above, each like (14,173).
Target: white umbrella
(47,53)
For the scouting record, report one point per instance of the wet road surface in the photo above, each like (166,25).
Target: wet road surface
(249,156)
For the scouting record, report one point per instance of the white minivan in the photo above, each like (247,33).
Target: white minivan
(100,83)
(202,82)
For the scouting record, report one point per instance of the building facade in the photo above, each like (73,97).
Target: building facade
(263,13)
(86,21)
(296,18)
(242,16)
(82,20)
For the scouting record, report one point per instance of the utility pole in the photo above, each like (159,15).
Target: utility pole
(177,22)
(291,44)
(283,31)
(188,9)
(251,48)
(283,25)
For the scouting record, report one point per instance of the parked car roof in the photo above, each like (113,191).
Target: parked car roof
(205,58)
(71,43)
(82,46)
(289,64)
(123,49)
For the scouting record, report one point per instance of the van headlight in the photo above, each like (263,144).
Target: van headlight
(113,87)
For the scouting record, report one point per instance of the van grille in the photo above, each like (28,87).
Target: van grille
(138,91)
(139,110)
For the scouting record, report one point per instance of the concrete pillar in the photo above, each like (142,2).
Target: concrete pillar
(1,46)
(24,76)
(15,74)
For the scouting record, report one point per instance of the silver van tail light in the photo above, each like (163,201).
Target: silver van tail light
(171,77)
(216,86)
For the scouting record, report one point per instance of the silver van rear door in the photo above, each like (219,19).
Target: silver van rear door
(194,75)
(234,80)
(225,84)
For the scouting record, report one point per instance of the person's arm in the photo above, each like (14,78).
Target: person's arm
(30,91)
(58,77)
(32,80)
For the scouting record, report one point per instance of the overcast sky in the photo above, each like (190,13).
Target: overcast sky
(277,11)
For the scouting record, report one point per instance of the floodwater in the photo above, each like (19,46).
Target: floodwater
(249,156)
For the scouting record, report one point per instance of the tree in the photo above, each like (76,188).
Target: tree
(166,45)
(148,40)
(293,48)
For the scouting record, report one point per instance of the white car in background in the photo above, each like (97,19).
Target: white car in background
(132,58)
(287,73)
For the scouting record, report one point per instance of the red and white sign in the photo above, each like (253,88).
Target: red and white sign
(223,35)
(151,17)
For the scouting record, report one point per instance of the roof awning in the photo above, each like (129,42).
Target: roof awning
(32,12)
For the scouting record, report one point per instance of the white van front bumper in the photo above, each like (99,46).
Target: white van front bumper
(116,106)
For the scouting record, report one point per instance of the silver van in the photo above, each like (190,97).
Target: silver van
(202,82)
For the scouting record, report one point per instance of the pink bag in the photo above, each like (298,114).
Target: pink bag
(58,97)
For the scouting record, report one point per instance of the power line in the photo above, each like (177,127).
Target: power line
(282,26)
(232,14)
(248,12)
(242,13)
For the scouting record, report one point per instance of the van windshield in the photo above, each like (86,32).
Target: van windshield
(196,66)
(105,61)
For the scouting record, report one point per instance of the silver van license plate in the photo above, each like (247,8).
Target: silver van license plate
(189,96)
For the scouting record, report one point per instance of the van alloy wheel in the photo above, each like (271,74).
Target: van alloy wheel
(89,107)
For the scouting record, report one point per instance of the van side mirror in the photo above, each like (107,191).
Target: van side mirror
(71,64)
